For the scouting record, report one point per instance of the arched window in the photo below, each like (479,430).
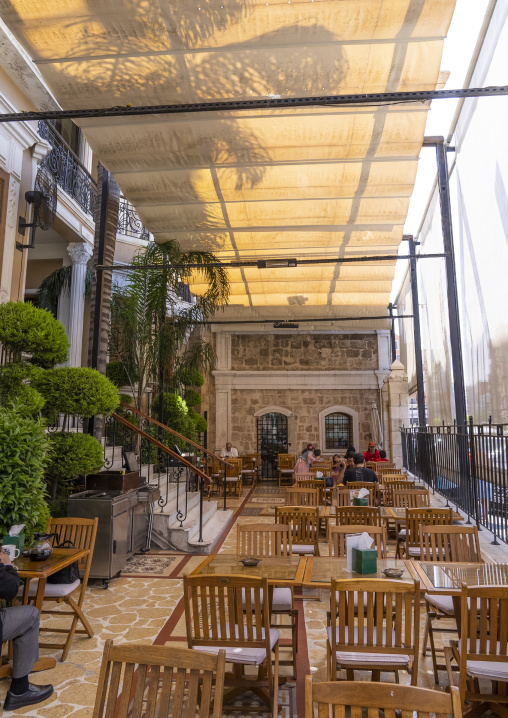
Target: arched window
(338,431)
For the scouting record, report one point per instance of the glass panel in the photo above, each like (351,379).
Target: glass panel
(283,568)
(324,569)
(25,564)
(337,431)
(477,574)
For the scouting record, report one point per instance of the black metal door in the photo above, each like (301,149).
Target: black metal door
(272,440)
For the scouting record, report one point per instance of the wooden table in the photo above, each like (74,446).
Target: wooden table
(320,570)
(280,571)
(399,515)
(441,577)
(28,569)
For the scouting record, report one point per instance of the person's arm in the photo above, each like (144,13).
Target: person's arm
(9,579)
(234,453)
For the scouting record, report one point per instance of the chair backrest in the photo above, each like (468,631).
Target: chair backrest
(227,610)
(139,680)
(324,466)
(337,538)
(248,462)
(391,485)
(411,499)
(263,540)
(357,515)
(80,532)
(286,461)
(341,497)
(371,465)
(387,469)
(303,521)
(371,486)
(214,466)
(302,497)
(450,543)
(335,697)
(386,466)
(311,484)
(307,478)
(235,468)
(424,517)
(483,628)
(373,630)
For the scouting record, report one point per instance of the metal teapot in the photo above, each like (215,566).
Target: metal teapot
(40,549)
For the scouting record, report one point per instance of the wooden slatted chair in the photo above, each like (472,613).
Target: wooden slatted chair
(139,681)
(318,484)
(334,699)
(259,540)
(337,538)
(385,466)
(250,468)
(391,485)
(325,467)
(369,485)
(81,533)
(411,498)
(341,497)
(233,476)
(304,523)
(482,651)
(233,613)
(422,517)
(371,639)
(297,496)
(357,515)
(391,471)
(445,543)
(286,467)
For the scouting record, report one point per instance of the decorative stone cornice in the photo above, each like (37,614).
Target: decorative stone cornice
(298,379)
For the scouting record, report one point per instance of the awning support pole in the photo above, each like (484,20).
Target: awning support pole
(422,420)
(392,331)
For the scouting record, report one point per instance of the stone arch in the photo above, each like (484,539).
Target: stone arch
(273,410)
(339,410)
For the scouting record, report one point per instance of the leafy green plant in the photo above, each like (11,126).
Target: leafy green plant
(14,386)
(57,283)
(176,416)
(192,397)
(200,423)
(26,329)
(118,373)
(189,376)
(24,449)
(76,390)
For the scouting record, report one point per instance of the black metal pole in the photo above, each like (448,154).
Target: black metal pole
(392,331)
(422,420)
(99,280)
(451,281)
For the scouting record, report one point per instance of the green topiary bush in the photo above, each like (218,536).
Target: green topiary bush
(76,390)
(190,377)
(26,329)
(192,397)
(14,386)
(24,449)
(117,373)
(200,423)
(177,418)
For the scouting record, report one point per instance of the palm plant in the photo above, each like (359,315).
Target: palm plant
(149,328)
(57,283)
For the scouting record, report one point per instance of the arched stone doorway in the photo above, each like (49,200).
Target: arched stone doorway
(272,438)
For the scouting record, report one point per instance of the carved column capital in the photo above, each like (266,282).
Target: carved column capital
(79,252)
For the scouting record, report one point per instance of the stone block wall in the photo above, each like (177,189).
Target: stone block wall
(312,352)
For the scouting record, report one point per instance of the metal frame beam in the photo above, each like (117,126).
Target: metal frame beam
(377,98)
(420,388)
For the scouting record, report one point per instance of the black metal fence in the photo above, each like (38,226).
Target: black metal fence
(466,464)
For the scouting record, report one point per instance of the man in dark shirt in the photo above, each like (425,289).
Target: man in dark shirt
(20,624)
(359,473)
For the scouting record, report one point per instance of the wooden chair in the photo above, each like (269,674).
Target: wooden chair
(341,497)
(411,498)
(357,515)
(481,652)
(337,538)
(445,543)
(371,465)
(334,698)
(422,517)
(391,485)
(304,523)
(233,613)
(233,476)
(371,486)
(296,496)
(373,639)
(138,681)
(318,484)
(82,534)
(250,468)
(258,540)
(325,467)
(215,470)
(381,466)
(286,466)
(391,471)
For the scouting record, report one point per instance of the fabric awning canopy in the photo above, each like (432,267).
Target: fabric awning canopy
(258,184)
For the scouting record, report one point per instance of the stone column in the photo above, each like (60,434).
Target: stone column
(79,253)
(398,409)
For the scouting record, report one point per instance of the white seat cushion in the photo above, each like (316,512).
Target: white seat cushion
(232,478)
(414,550)
(251,656)
(402,533)
(492,670)
(303,548)
(282,599)
(441,603)
(52,590)
(347,658)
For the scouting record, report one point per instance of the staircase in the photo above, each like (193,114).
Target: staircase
(169,532)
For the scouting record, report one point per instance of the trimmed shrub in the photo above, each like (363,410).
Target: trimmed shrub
(24,449)
(117,373)
(14,388)
(74,454)
(192,398)
(190,377)
(176,417)
(24,328)
(76,390)
(200,423)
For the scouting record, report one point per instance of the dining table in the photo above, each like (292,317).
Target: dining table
(320,570)
(442,577)
(279,570)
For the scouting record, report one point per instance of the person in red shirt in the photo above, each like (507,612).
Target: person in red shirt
(382,456)
(372,454)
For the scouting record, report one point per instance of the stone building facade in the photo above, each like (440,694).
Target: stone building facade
(303,375)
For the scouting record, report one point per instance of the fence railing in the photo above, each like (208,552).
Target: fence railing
(466,464)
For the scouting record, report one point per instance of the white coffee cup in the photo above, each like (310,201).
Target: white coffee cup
(11,550)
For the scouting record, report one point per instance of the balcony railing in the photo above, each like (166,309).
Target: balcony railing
(73,177)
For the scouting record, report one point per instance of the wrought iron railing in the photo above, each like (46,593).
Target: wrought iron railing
(129,222)
(466,464)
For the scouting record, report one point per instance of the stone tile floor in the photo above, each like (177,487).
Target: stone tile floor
(148,608)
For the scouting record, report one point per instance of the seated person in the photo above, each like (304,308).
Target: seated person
(317,455)
(338,469)
(359,472)
(350,452)
(20,624)
(327,479)
(372,454)
(382,455)
(229,451)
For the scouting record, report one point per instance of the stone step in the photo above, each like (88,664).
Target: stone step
(213,530)
(169,511)
(185,537)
